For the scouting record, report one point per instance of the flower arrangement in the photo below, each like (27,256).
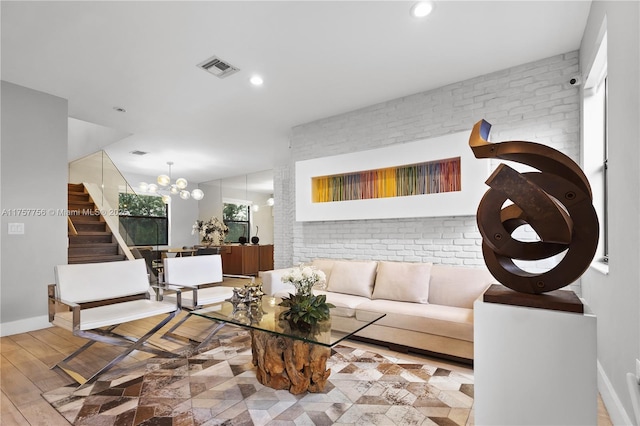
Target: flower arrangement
(304,278)
(212,231)
(304,308)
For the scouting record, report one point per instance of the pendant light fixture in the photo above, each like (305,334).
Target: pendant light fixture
(179,187)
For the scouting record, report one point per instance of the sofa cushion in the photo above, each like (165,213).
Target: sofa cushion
(345,304)
(402,281)
(447,321)
(325,265)
(458,286)
(353,277)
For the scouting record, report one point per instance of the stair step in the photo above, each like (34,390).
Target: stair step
(78,196)
(90,237)
(92,249)
(91,245)
(81,205)
(76,217)
(90,226)
(84,218)
(94,242)
(97,259)
(75,187)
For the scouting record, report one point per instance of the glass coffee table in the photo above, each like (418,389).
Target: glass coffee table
(285,358)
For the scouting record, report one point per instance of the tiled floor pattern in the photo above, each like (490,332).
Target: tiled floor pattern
(218,387)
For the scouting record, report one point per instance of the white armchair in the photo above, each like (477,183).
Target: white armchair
(199,278)
(98,298)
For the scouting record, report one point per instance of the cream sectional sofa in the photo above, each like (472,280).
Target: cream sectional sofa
(428,306)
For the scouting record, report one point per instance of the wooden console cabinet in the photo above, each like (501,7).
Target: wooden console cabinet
(246,259)
(266,257)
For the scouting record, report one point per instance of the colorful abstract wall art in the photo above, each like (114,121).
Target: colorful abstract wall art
(430,177)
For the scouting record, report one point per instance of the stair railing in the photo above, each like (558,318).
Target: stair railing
(104,183)
(71,227)
(106,211)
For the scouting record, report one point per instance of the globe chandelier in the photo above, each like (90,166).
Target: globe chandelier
(179,187)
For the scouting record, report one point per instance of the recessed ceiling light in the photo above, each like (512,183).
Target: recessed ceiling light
(256,80)
(421,9)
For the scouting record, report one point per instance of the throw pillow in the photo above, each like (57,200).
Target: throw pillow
(325,265)
(353,277)
(402,281)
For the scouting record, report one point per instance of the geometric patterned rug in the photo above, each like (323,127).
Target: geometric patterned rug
(218,387)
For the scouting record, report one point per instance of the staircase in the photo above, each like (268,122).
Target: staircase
(93,242)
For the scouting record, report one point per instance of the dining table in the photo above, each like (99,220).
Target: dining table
(180,251)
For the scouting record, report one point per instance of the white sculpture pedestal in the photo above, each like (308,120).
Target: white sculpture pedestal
(534,366)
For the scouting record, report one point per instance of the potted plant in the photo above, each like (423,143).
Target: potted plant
(304,309)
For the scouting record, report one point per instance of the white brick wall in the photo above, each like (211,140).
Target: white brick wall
(532,101)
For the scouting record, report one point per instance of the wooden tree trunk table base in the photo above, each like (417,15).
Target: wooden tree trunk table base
(285,363)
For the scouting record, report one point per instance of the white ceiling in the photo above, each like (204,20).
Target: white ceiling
(317,59)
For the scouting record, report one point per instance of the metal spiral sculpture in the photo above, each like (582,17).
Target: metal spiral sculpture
(556,202)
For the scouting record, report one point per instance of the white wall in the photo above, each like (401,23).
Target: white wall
(263,218)
(182,213)
(33,176)
(615,297)
(532,101)
(212,205)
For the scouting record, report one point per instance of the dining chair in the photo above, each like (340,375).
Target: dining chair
(146,253)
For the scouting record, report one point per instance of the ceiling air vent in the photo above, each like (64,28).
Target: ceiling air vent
(218,67)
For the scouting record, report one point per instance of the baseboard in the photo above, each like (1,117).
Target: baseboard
(634,391)
(24,325)
(617,413)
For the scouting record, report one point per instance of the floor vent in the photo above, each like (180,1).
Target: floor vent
(218,67)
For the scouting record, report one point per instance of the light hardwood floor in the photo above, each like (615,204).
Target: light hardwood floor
(26,358)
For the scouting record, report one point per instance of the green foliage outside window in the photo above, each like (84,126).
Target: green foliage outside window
(142,205)
(237,212)
(237,218)
(143,219)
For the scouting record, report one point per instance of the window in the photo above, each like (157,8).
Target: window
(595,150)
(237,216)
(144,220)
